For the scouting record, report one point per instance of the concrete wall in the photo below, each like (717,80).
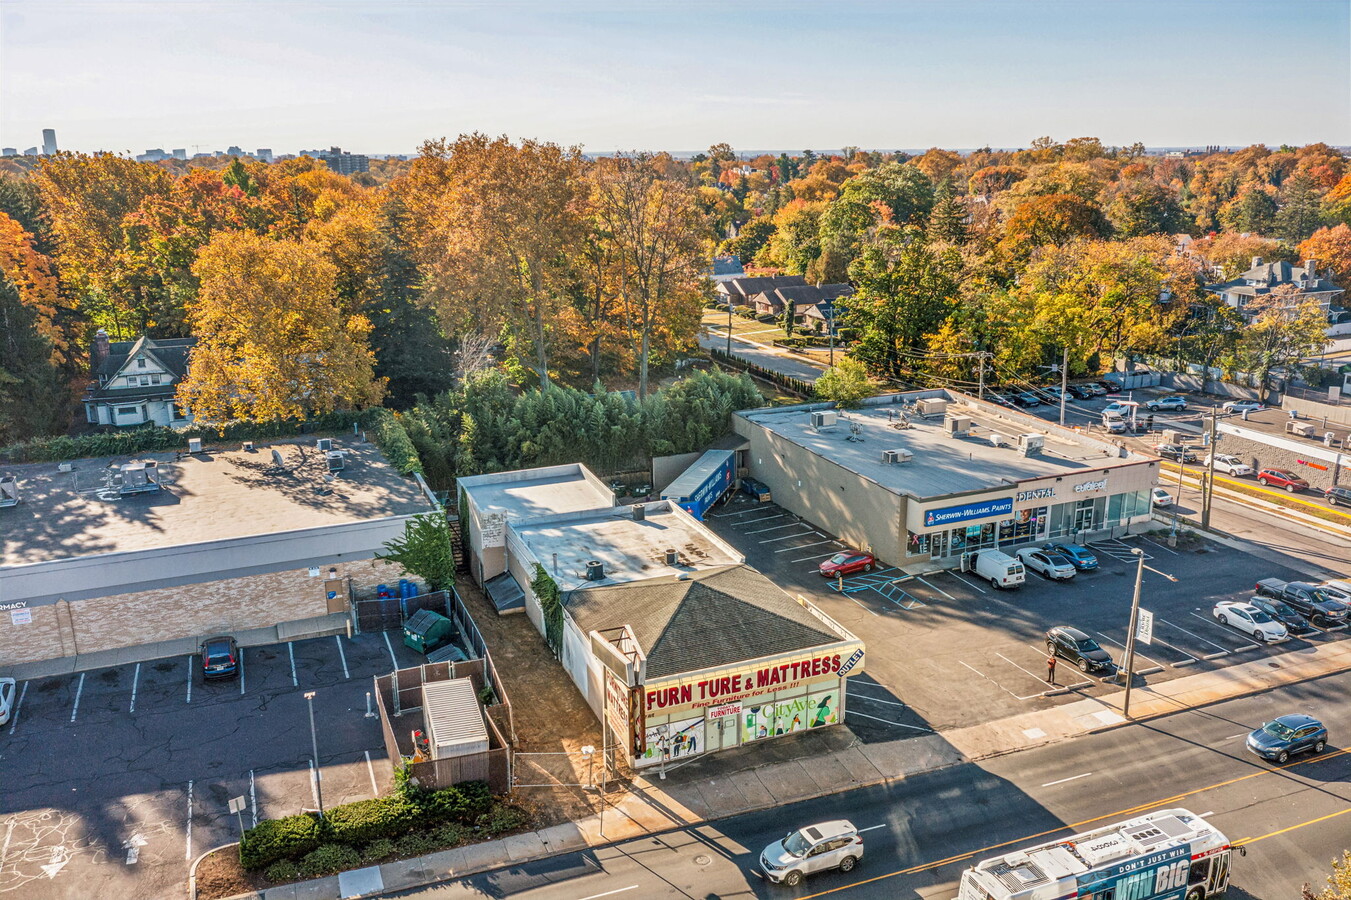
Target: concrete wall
(863,513)
(1259,454)
(1316,412)
(1176,381)
(226,606)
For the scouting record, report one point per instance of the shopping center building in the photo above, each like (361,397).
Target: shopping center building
(932,475)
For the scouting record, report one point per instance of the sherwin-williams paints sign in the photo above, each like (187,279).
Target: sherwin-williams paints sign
(949,515)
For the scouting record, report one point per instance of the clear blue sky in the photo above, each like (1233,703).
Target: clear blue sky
(383,75)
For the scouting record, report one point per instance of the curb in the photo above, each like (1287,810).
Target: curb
(192,870)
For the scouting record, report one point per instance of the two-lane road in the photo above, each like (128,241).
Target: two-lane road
(924,830)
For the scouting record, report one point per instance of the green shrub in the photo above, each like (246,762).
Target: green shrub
(379,850)
(282,871)
(328,859)
(503,817)
(272,840)
(450,834)
(416,843)
(463,803)
(369,820)
(392,438)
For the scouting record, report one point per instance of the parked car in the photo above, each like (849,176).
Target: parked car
(1294,623)
(1338,494)
(1109,386)
(1081,392)
(1080,649)
(1046,563)
(1114,423)
(1282,478)
(1175,452)
(1166,403)
(1081,557)
(1335,590)
(1160,497)
(1094,389)
(1239,406)
(1120,409)
(756,488)
(1025,398)
(220,657)
(816,848)
(847,563)
(1249,620)
(1053,391)
(7,686)
(1315,604)
(996,397)
(1230,465)
(1295,733)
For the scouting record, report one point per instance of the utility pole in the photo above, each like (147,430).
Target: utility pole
(1064,382)
(980,362)
(1130,635)
(831,307)
(1210,476)
(729,325)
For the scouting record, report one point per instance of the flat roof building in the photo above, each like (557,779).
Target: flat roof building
(935,474)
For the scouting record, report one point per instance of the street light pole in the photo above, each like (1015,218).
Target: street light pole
(1064,382)
(1210,476)
(832,333)
(314,744)
(1130,635)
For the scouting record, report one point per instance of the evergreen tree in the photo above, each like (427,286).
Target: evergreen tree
(1300,212)
(947,222)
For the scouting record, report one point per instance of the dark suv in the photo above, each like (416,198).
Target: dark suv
(1281,612)
(1335,495)
(220,657)
(1080,649)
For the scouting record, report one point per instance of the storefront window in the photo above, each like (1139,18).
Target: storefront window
(917,545)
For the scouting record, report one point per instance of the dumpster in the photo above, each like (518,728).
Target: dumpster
(427,630)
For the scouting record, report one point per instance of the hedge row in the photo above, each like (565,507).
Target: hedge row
(389,434)
(363,822)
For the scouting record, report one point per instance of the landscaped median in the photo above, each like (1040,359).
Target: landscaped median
(410,822)
(1294,502)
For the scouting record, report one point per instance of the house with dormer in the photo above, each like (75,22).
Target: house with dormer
(1257,283)
(135,382)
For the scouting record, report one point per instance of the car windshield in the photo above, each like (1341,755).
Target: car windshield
(796,844)
(218,652)
(1259,616)
(839,558)
(1281,609)
(1087,645)
(1276,729)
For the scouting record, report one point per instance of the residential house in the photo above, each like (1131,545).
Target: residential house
(1258,281)
(135,381)
(803,297)
(741,290)
(726,268)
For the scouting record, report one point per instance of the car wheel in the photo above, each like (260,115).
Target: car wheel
(847,864)
(1283,757)
(1258,636)
(1083,666)
(1332,501)
(994,582)
(1223,619)
(1318,747)
(868,567)
(793,878)
(1262,482)
(1290,488)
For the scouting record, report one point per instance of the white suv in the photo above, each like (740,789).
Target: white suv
(1230,465)
(829,845)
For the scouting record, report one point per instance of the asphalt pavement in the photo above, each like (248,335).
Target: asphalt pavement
(921,832)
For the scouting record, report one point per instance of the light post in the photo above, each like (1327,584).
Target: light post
(314,744)
(1181,467)
(729,323)
(1135,618)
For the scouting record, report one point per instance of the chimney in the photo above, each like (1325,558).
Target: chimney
(102,347)
(1256,261)
(1311,269)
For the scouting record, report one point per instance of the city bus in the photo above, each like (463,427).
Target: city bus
(1169,854)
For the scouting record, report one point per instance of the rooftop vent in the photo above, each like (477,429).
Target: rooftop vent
(672,557)
(639,512)
(896,457)
(932,406)
(824,419)
(64,467)
(324,444)
(998,440)
(248,448)
(595,570)
(194,445)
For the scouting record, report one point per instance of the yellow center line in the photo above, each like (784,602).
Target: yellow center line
(1077,826)
(1252,840)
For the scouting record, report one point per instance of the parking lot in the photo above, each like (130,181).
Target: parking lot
(116,779)
(946,650)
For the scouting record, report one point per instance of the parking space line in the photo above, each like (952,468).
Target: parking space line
(314,783)
(788,537)
(777,527)
(343,656)
(241,671)
(817,556)
(189,678)
(1153,662)
(742,513)
(79,689)
(1162,547)
(804,546)
(188,837)
(291,651)
(997,684)
(888,722)
(765,519)
(253,800)
(875,699)
(1197,636)
(868,608)
(936,588)
(135,680)
(14,720)
(375,789)
(1226,629)
(392,658)
(967,583)
(1018,667)
(1064,780)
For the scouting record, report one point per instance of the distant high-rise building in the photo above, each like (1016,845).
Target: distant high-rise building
(265,154)
(181,153)
(234,151)
(31,151)
(9,151)
(342,162)
(48,141)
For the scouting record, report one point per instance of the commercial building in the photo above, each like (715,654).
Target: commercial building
(932,475)
(49,142)
(343,162)
(676,644)
(101,554)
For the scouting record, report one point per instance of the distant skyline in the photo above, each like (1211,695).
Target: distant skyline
(381,77)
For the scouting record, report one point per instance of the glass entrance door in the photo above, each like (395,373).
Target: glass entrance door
(938,545)
(1083,516)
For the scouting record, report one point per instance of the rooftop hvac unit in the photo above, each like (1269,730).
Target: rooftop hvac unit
(64,467)
(998,440)
(595,570)
(639,512)
(248,448)
(194,445)
(138,477)
(672,558)
(9,491)
(1031,444)
(1303,429)
(824,419)
(956,425)
(896,457)
(932,406)
(325,444)
(335,460)
(1170,436)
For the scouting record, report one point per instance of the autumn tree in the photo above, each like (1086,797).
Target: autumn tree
(1301,211)
(660,257)
(1253,210)
(1282,331)
(506,227)
(750,240)
(1331,247)
(844,384)
(1054,219)
(1140,207)
(1234,252)
(272,341)
(992,180)
(796,242)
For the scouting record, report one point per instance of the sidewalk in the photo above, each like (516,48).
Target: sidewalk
(831,762)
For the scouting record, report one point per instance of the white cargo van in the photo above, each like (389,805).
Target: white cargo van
(1000,569)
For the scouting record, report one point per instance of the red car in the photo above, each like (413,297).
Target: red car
(847,563)
(1281,478)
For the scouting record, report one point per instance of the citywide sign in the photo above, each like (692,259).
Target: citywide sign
(733,684)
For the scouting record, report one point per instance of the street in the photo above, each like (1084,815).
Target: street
(922,832)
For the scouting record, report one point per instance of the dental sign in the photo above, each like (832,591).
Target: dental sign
(983,510)
(1046,493)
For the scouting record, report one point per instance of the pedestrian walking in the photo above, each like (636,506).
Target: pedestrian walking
(1050,669)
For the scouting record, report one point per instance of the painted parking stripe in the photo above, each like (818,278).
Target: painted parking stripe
(291,651)
(936,588)
(776,528)
(314,783)
(18,705)
(392,658)
(973,587)
(826,555)
(764,519)
(253,800)
(632,887)
(343,656)
(1153,662)
(187,854)
(1226,629)
(744,512)
(788,537)
(805,546)
(889,722)
(864,605)
(875,700)
(375,788)
(1197,636)
(241,671)
(189,678)
(135,681)
(1064,780)
(79,689)
(997,684)
(871,828)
